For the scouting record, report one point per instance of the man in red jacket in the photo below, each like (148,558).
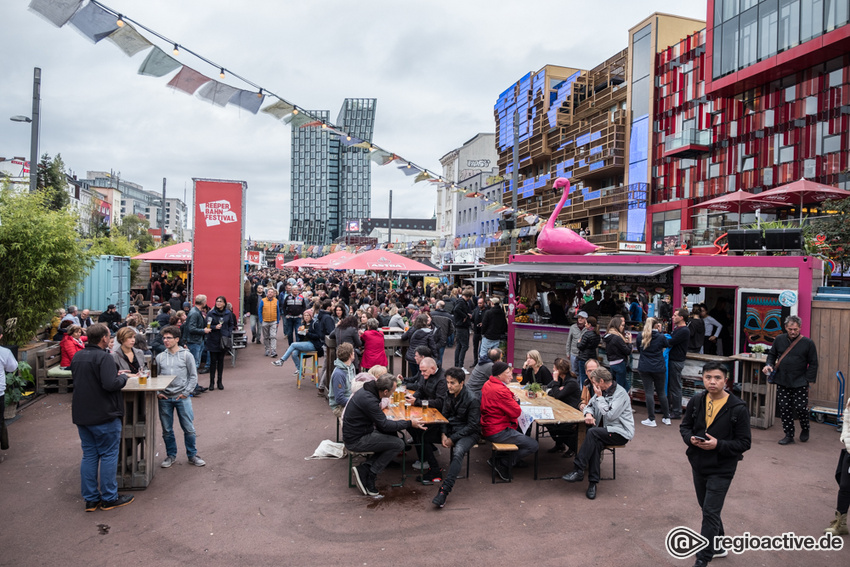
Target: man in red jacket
(499,412)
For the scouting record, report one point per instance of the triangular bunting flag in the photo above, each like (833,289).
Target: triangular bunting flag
(409,169)
(94,22)
(279,109)
(129,40)
(421,177)
(381,157)
(247,100)
(57,12)
(532,230)
(347,140)
(217,93)
(312,124)
(296,120)
(524,231)
(158,63)
(493,206)
(187,80)
(364,145)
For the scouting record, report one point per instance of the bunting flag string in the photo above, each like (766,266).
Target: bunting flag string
(97,21)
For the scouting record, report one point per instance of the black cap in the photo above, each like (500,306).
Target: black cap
(499,367)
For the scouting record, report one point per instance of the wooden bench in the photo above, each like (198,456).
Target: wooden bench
(352,454)
(496,451)
(613,450)
(49,377)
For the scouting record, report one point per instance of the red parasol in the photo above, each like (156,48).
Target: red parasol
(800,192)
(740,201)
(383,261)
(175,254)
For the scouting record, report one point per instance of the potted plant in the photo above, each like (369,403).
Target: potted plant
(534,390)
(16,383)
(758,350)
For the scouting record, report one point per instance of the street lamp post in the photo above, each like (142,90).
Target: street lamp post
(36,111)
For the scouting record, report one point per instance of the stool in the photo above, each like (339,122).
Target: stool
(313,371)
(612,449)
(498,450)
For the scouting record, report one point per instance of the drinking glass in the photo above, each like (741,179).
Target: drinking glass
(424,408)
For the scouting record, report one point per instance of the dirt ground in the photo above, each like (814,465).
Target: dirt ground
(258,501)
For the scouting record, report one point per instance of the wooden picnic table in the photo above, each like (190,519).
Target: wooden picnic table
(391,343)
(564,414)
(431,416)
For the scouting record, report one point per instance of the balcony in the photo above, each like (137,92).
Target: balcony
(687,144)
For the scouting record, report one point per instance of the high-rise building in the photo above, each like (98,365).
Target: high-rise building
(331,179)
(757,99)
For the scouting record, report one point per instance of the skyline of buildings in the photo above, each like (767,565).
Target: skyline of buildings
(331,179)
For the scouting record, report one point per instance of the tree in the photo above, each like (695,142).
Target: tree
(51,181)
(833,231)
(42,260)
(135,229)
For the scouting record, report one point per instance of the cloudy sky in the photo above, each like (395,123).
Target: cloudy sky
(435,66)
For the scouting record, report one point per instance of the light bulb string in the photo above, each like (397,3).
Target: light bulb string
(264,91)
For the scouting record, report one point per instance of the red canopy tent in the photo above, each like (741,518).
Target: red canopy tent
(323,263)
(740,201)
(179,253)
(383,261)
(800,192)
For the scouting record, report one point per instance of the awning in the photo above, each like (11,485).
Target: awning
(180,253)
(646,270)
(487,279)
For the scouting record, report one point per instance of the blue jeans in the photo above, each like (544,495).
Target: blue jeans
(621,375)
(196,350)
(289,326)
(301,346)
(459,451)
(527,445)
(487,344)
(186,417)
(582,375)
(100,449)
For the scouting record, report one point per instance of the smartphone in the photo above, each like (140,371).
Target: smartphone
(697,437)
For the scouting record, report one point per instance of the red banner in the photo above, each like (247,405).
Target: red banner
(217,245)
(254,257)
(279,261)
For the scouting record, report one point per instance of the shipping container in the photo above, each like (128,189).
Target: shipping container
(107,283)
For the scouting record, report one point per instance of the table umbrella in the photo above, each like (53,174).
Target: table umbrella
(740,201)
(800,192)
(383,261)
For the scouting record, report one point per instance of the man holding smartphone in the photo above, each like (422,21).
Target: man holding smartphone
(716,429)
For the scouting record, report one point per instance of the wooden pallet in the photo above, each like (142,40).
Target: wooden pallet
(56,385)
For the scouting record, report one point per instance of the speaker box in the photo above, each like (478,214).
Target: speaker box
(785,239)
(740,239)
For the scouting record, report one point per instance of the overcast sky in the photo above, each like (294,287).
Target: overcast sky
(436,68)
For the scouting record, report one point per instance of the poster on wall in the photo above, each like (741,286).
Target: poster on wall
(218,243)
(761,317)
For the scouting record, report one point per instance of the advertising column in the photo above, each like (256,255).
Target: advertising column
(218,242)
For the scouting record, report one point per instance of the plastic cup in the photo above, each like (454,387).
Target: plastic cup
(143,377)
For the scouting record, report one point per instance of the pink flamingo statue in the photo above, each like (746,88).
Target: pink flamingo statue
(553,240)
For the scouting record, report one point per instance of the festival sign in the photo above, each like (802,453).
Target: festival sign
(218,243)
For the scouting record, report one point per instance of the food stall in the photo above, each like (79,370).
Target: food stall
(761,290)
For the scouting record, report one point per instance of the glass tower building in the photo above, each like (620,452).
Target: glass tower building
(331,180)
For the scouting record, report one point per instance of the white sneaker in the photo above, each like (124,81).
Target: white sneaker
(666,421)
(168,462)
(649,422)
(465,371)
(419,466)
(197,461)
(721,553)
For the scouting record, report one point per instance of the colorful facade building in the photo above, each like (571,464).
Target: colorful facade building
(759,98)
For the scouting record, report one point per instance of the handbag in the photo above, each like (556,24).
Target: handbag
(226,343)
(771,378)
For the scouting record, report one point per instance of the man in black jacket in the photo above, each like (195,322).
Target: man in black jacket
(463,321)
(716,429)
(477,317)
(431,388)
(97,409)
(463,410)
(443,320)
(110,318)
(494,325)
(366,429)
(679,337)
(798,369)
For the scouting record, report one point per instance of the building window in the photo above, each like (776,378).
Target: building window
(768,28)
